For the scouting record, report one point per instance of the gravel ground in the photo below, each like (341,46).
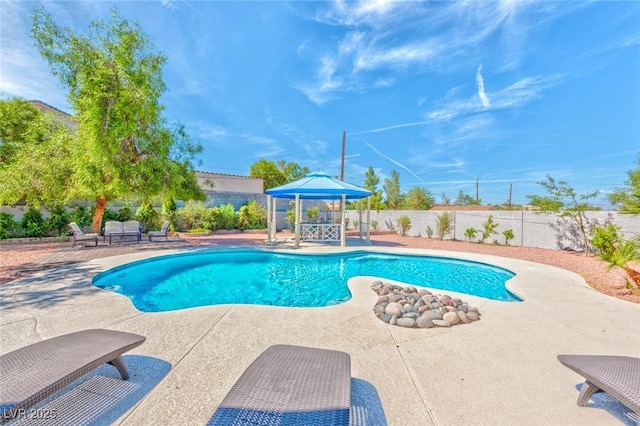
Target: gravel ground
(593,270)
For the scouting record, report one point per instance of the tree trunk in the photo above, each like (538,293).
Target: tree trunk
(634,275)
(101,205)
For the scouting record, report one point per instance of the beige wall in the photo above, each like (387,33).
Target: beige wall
(229,183)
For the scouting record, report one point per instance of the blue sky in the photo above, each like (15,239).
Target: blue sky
(445,93)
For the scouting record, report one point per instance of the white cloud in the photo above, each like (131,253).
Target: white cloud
(397,163)
(397,126)
(481,93)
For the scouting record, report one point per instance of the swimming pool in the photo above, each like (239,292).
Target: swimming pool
(214,277)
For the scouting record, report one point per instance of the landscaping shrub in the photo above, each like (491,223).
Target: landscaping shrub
(33,224)
(227,216)
(429,231)
(253,216)
(58,220)
(193,214)
(81,216)
(508,235)
(470,233)
(148,217)
(313,213)
(605,239)
(404,224)
(8,226)
(170,213)
(489,228)
(444,224)
(124,214)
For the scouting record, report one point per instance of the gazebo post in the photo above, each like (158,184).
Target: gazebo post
(269,223)
(343,228)
(369,218)
(297,220)
(360,219)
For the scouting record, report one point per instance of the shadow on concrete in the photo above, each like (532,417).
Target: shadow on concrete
(100,397)
(604,401)
(366,407)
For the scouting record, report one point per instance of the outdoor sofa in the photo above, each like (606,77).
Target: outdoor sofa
(30,374)
(163,232)
(290,385)
(129,228)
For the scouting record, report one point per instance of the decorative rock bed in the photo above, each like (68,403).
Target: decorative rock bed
(412,308)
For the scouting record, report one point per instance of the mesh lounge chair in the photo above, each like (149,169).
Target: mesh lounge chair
(79,236)
(619,376)
(290,385)
(162,232)
(32,373)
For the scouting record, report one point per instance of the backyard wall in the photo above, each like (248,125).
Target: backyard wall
(530,229)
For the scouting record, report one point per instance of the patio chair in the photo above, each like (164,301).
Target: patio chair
(619,376)
(291,385)
(78,235)
(32,373)
(163,232)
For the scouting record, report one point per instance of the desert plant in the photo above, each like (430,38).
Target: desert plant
(33,224)
(624,254)
(58,220)
(313,213)
(7,225)
(443,224)
(374,225)
(429,231)
(470,233)
(356,224)
(193,214)
(605,239)
(404,224)
(508,236)
(170,213)
(290,218)
(489,228)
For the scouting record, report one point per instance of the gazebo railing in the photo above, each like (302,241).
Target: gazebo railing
(320,231)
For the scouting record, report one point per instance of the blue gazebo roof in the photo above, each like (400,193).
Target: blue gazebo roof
(319,186)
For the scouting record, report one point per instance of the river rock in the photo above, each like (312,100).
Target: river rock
(451,317)
(463,317)
(442,323)
(406,322)
(394,309)
(424,322)
(473,316)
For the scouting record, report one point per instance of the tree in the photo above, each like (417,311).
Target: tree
(630,194)
(371,181)
(418,199)
(36,156)
(489,228)
(465,200)
(444,224)
(115,83)
(564,200)
(292,171)
(392,190)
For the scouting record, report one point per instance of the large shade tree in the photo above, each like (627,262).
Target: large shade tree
(114,78)
(392,190)
(276,174)
(36,155)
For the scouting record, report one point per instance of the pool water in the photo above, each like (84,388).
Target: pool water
(216,277)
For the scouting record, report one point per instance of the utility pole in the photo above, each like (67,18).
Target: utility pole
(477,191)
(344,141)
(510,193)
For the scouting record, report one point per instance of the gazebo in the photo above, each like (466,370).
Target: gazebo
(317,186)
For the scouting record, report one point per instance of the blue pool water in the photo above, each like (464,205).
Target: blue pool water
(203,278)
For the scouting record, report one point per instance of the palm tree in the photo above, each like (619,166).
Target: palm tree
(624,254)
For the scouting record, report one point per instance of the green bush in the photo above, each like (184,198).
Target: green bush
(605,239)
(313,213)
(489,228)
(404,224)
(8,226)
(444,224)
(170,213)
(81,216)
(107,216)
(148,217)
(252,216)
(508,235)
(33,224)
(193,214)
(227,216)
(211,219)
(290,219)
(124,214)
(429,231)
(470,233)
(58,220)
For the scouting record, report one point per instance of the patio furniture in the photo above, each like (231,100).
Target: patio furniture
(32,373)
(130,228)
(163,232)
(619,376)
(290,385)
(79,236)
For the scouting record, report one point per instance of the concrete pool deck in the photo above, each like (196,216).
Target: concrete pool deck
(501,370)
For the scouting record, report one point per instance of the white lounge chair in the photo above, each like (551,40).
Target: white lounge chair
(79,236)
(164,232)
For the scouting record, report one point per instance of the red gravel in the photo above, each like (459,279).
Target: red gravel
(592,269)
